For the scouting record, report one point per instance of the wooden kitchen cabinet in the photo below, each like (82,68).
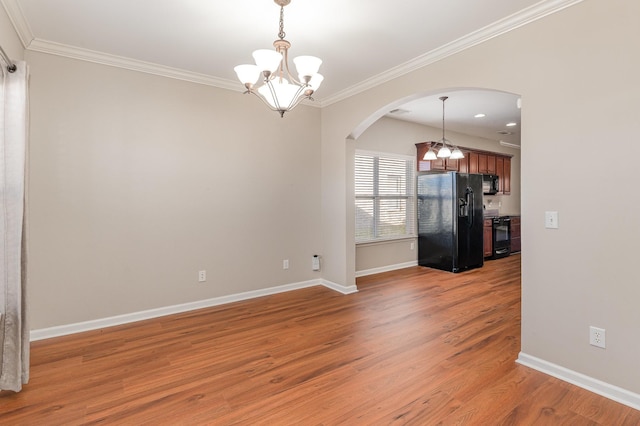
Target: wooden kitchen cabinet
(451,165)
(500,173)
(503,171)
(437,164)
(488,238)
(487,164)
(482,163)
(474,161)
(463,163)
(515,234)
(506,176)
(491,164)
(444,164)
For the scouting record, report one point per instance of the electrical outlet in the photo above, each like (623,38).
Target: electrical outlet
(285,264)
(202,276)
(413,245)
(597,337)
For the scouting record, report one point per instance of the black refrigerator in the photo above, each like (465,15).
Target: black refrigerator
(450,221)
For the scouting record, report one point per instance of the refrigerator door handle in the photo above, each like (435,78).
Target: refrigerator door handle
(471,206)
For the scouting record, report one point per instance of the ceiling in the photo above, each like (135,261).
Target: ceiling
(461,108)
(362,42)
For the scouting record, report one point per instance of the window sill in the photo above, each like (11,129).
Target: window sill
(386,241)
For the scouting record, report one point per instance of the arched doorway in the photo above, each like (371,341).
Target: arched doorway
(397,127)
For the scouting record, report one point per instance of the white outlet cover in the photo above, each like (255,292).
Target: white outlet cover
(597,337)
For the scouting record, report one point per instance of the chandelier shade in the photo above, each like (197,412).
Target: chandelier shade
(307,66)
(444,152)
(430,154)
(456,154)
(248,74)
(279,93)
(279,90)
(315,81)
(267,60)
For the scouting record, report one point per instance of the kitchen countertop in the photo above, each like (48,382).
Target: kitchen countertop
(491,215)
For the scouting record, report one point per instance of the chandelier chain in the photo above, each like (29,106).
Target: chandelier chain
(281,33)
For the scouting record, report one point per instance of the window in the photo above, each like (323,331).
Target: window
(385,202)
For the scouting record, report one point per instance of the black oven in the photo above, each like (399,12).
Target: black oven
(501,237)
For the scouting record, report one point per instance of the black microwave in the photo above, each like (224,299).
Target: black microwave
(490,184)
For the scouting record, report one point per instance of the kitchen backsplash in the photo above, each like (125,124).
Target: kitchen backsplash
(504,204)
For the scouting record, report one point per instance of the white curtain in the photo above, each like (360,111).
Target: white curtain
(14,332)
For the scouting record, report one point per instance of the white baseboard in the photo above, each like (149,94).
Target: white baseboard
(387,268)
(340,288)
(607,390)
(63,330)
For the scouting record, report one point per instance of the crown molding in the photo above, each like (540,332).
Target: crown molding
(516,20)
(16,16)
(130,64)
(531,14)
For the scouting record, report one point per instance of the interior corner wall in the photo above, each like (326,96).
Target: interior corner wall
(576,71)
(9,39)
(137,182)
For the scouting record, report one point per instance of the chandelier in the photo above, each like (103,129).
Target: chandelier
(279,89)
(447,149)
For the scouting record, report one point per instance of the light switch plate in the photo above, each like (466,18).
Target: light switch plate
(551,220)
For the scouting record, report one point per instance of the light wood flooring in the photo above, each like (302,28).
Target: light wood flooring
(415,346)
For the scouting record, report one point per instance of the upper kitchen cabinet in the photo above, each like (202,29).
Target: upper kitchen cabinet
(491,165)
(463,163)
(482,162)
(474,161)
(503,171)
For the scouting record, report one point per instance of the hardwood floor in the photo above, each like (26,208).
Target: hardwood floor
(414,346)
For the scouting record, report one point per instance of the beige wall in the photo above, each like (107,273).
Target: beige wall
(577,73)
(138,182)
(399,137)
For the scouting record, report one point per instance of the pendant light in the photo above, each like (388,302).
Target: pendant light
(447,150)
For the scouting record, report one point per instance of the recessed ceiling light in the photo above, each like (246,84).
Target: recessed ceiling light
(479,115)
(512,124)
